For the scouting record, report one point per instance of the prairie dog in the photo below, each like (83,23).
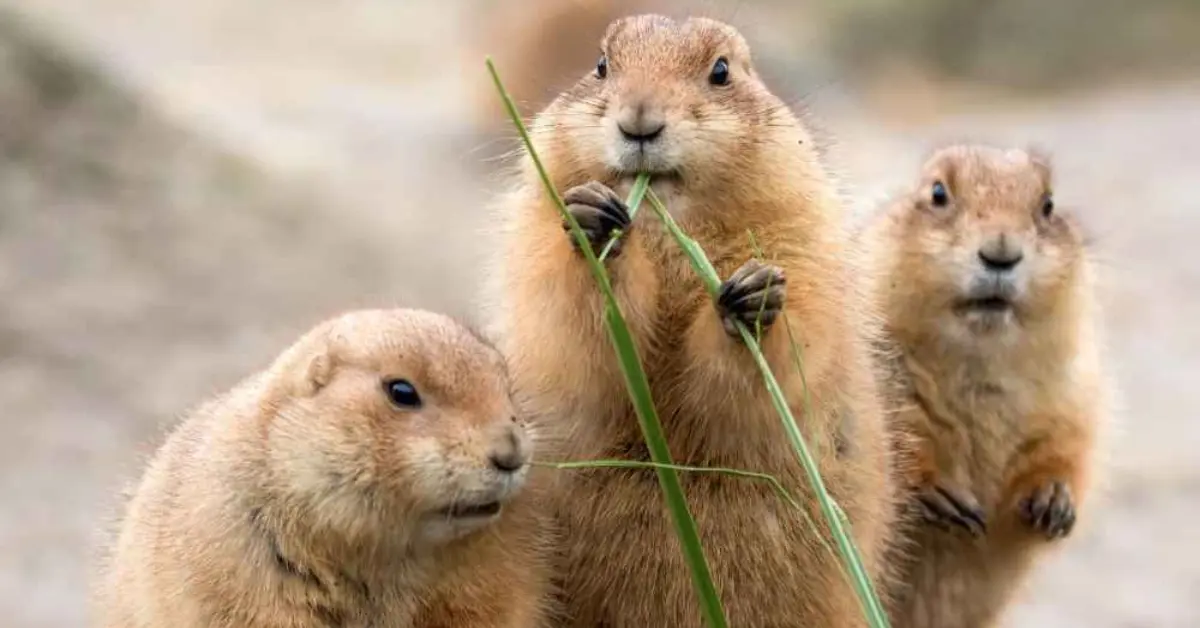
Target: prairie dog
(987,288)
(682,101)
(374,475)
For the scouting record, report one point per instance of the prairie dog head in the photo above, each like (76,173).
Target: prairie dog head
(982,243)
(680,100)
(401,418)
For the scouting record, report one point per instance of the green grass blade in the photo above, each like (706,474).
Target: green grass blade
(776,485)
(850,556)
(635,201)
(685,525)
(637,384)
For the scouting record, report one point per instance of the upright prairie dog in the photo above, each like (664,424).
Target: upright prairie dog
(682,101)
(372,476)
(988,293)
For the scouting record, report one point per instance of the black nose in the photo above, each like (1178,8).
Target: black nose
(1000,253)
(642,132)
(1000,260)
(508,461)
(510,456)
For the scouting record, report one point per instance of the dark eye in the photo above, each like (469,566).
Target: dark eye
(1047,206)
(602,66)
(939,195)
(720,72)
(402,393)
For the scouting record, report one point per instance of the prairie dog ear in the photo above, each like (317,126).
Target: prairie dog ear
(317,373)
(1040,157)
(314,369)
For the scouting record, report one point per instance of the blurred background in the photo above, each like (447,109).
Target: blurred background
(187,186)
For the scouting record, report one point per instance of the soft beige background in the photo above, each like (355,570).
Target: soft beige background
(186,186)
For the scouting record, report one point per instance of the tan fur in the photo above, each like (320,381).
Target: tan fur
(305,498)
(1001,403)
(539,50)
(745,163)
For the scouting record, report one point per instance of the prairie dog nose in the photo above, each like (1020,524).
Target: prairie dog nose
(510,453)
(1001,253)
(640,122)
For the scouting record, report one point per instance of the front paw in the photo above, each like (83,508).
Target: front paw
(1049,509)
(599,212)
(754,294)
(948,506)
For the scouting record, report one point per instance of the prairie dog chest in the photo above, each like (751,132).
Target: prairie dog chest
(995,413)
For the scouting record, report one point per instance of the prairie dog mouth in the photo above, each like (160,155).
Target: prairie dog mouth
(987,304)
(989,295)
(475,510)
(654,169)
(629,159)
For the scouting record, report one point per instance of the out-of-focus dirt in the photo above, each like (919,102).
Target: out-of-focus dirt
(164,235)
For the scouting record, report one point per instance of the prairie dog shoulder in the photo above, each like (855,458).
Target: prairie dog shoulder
(374,474)
(987,287)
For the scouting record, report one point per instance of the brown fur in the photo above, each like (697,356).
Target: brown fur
(304,498)
(1001,403)
(744,162)
(539,50)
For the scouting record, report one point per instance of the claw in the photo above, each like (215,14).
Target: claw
(948,506)
(754,293)
(599,212)
(1049,509)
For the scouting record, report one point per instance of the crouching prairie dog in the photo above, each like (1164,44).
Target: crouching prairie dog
(682,101)
(987,288)
(374,475)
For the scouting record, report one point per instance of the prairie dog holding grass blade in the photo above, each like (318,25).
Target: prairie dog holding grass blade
(374,475)
(682,101)
(988,289)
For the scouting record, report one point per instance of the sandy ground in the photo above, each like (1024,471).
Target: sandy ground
(155,248)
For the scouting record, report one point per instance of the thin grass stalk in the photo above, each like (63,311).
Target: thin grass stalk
(832,512)
(640,185)
(776,485)
(773,481)
(636,383)
(798,362)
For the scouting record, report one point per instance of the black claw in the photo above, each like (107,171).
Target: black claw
(1067,525)
(1050,510)
(948,507)
(935,519)
(753,294)
(772,298)
(599,212)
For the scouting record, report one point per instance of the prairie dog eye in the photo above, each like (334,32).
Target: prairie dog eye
(720,72)
(602,66)
(402,393)
(1047,205)
(939,196)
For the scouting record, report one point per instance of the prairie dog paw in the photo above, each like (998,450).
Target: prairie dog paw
(754,293)
(949,506)
(1049,509)
(599,212)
